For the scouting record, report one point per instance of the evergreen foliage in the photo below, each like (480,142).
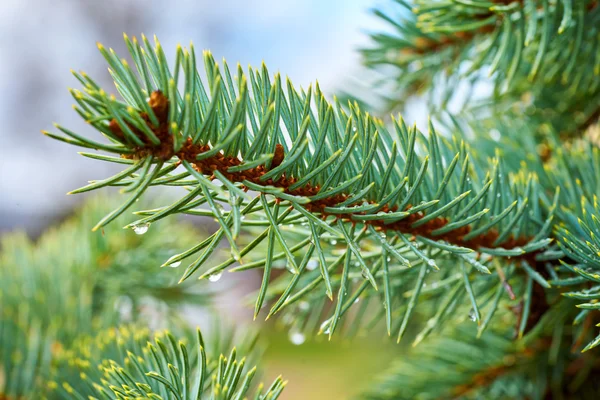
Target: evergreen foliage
(62,306)
(315,177)
(128,363)
(357,223)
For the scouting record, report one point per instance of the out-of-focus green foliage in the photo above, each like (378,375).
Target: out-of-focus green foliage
(133,363)
(495,367)
(72,281)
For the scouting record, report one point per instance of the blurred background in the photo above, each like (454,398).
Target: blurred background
(41,40)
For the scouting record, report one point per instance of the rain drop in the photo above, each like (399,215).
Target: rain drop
(141,228)
(303,306)
(333,242)
(472,316)
(215,277)
(431,263)
(175,264)
(323,325)
(297,338)
(312,264)
(357,300)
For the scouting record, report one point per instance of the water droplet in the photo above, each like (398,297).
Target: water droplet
(303,306)
(357,300)
(333,242)
(297,338)
(389,259)
(311,265)
(323,325)
(175,264)
(472,316)
(243,218)
(431,263)
(141,228)
(215,277)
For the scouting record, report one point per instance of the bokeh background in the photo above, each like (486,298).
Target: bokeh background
(41,40)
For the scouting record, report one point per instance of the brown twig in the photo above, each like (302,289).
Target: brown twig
(220,162)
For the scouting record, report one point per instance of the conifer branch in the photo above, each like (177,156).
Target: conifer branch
(311,162)
(133,363)
(498,368)
(518,44)
(55,298)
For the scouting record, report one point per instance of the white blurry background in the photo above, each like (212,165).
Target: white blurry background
(40,40)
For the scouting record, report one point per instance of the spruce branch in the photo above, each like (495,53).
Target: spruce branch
(521,45)
(542,365)
(130,362)
(52,292)
(310,162)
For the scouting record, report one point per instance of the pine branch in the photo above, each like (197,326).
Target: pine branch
(520,45)
(576,233)
(52,292)
(312,164)
(572,166)
(133,363)
(541,366)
